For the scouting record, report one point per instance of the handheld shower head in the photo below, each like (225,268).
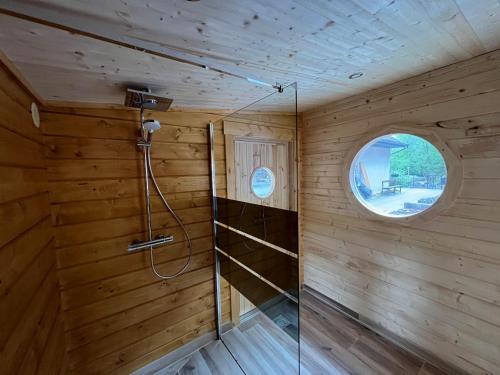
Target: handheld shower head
(151,125)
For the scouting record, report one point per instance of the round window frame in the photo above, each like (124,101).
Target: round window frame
(273,186)
(450,193)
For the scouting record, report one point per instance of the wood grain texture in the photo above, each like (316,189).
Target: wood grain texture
(333,343)
(118,315)
(330,344)
(31,322)
(434,283)
(318,44)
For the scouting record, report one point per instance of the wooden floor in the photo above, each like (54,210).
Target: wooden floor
(330,344)
(334,344)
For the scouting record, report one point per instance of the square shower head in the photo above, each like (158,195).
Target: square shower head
(137,98)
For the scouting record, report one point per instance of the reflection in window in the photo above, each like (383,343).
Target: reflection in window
(398,175)
(262,182)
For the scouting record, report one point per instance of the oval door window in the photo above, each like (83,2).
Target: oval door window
(262,182)
(398,175)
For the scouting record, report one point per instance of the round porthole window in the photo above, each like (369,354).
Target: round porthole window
(398,175)
(262,182)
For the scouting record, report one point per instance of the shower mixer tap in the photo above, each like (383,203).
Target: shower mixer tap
(157,242)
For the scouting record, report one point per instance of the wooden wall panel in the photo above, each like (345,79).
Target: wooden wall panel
(434,284)
(118,315)
(31,324)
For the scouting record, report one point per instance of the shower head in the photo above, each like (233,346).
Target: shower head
(145,99)
(151,125)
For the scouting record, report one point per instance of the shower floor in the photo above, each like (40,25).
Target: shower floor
(330,344)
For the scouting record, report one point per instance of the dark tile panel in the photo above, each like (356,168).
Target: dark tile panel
(274,225)
(261,294)
(279,268)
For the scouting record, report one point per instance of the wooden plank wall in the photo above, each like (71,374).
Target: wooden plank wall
(119,316)
(435,284)
(31,324)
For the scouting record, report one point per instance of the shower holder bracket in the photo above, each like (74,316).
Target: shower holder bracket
(141,142)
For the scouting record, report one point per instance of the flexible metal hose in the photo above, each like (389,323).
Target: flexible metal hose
(147,156)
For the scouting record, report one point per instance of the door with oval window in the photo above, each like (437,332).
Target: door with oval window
(258,171)
(256,236)
(261,172)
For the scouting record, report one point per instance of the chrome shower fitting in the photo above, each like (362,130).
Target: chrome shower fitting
(151,125)
(145,100)
(158,241)
(148,128)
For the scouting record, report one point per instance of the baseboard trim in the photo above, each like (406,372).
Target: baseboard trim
(381,331)
(182,352)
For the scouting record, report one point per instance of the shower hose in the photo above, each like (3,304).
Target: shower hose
(149,171)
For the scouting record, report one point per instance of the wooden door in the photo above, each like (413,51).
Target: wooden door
(253,154)
(244,155)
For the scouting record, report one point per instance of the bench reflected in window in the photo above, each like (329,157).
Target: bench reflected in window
(398,175)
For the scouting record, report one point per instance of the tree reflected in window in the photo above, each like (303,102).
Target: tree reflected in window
(398,175)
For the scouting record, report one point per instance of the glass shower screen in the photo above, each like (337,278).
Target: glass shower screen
(254,157)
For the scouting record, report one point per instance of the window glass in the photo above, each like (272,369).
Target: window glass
(398,175)
(262,182)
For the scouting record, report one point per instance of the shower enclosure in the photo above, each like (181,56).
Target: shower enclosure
(255,225)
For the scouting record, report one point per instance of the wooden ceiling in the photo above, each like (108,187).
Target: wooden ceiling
(319,44)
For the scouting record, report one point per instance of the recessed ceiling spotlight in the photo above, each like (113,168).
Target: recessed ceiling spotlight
(355,75)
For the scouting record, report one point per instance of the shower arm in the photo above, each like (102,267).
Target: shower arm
(141,115)
(146,185)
